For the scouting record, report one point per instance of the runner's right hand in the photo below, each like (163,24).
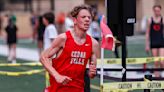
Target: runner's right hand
(62,79)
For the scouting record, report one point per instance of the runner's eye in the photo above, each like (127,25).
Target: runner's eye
(83,16)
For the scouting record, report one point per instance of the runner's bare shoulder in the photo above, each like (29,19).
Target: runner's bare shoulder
(60,40)
(95,43)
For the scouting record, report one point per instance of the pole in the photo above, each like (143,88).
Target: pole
(124,53)
(102,72)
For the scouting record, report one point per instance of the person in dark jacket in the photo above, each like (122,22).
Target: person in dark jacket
(11,31)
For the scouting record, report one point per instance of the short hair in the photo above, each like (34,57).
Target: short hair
(77,9)
(49,17)
(159,6)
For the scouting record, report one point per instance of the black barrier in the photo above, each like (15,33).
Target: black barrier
(87,82)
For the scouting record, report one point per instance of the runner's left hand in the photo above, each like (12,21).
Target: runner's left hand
(92,70)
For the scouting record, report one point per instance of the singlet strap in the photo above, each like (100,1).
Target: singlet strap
(68,34)
(152,21)
(161,19)
(89,40)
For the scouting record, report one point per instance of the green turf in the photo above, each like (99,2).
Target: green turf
(24,83)
(24,43)
(36,82)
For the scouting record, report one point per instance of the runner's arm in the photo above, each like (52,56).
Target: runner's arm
(93,63)
(46,55)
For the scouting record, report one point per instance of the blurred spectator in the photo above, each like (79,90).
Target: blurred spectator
(155,36)
(99,18)
(33,19)
(94,29)
(69,25)
(11,31)
(38,33)
(13,18)
(144,24)
(60,20)
(1,24)
(50,32)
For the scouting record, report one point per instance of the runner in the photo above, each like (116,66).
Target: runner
(73,49)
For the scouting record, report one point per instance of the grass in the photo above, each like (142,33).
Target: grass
(36,82)
(26,83)
(24,43)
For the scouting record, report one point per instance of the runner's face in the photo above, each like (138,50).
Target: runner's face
(83,20)
(157,11)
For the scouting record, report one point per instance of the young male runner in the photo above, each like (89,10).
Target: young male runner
(73,50)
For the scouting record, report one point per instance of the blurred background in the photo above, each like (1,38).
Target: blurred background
(25,13)
(22,9)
